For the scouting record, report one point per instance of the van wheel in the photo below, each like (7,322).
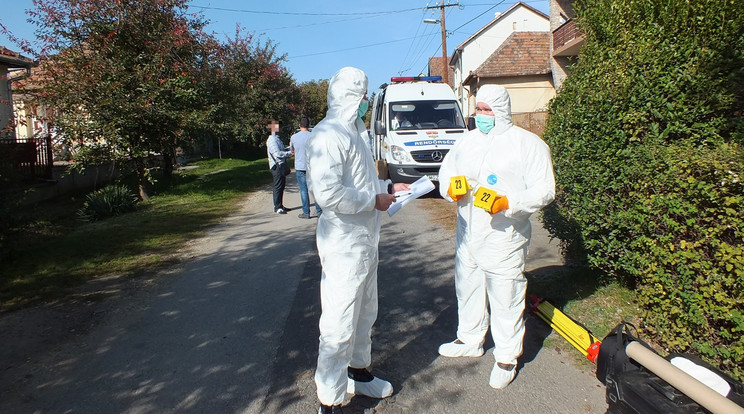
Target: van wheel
(382,169)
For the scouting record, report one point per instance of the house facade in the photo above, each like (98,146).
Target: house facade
(521,65)
(566,39)
(9,62)
(436,68)
(31,118)
(473,52)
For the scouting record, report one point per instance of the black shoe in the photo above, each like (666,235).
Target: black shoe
(328,409)
(304,216)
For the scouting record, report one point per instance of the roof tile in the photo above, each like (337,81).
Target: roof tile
(522,53)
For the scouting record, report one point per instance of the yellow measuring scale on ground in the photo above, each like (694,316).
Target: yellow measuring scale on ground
(575,334)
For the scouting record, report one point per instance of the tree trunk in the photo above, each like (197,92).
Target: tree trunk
(168,163)
(141,179)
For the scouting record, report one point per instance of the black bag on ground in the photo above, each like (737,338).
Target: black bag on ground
(632,389)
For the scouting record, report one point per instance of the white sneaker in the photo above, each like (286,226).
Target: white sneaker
(377,388)
(500,377)
(457,348)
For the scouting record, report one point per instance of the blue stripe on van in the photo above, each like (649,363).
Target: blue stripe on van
(429,142)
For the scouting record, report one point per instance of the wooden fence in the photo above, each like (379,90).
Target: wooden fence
(28,157)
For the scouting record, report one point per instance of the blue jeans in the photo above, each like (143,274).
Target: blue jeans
(302,183)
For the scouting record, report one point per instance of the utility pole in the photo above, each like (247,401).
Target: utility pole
(445,63)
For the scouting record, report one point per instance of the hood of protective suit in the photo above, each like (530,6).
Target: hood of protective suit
(498,99)
(345,91)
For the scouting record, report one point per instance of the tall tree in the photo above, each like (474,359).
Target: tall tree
(121,75)
(252,87)
(314,100)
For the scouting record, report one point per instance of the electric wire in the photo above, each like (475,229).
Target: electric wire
(403,61)
(314,24)
(423,50)
(476,17)
(300,13)
(350,48)
(468,22)
(419,46)
(419,42)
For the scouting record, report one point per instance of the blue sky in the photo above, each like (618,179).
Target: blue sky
(384,37)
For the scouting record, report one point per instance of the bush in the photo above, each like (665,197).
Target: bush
(112,200)
(647,135)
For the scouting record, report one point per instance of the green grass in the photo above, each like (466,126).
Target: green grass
(51,251)
(587,297)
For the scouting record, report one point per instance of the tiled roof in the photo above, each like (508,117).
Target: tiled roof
(12,58)
(522,53)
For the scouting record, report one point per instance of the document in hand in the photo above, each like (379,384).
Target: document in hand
(420,187)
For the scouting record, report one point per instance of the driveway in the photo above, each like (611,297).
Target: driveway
(233,329)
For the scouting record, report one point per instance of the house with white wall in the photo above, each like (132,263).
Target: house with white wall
(522,65)
(474,51)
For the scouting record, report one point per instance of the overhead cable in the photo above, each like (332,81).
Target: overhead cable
(351,48)
(301,13)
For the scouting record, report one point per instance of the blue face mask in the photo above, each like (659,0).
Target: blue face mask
(484,122)
(363,106)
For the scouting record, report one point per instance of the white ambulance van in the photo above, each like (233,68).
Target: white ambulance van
(415,122)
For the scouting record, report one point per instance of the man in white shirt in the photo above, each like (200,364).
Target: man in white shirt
(297,146)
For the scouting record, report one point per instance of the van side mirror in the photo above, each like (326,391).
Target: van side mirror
(471,123)
(380,128)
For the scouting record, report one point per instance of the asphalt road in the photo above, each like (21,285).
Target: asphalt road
(233,329)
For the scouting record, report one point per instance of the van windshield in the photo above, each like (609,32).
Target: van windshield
(425,115)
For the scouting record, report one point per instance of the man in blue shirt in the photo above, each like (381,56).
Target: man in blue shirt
(297,145)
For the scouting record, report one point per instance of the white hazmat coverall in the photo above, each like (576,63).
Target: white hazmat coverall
(344,184)
(491,248)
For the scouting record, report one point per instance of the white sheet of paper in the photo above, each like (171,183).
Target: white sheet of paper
(420,187)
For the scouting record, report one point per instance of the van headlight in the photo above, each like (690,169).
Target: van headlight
(399,154)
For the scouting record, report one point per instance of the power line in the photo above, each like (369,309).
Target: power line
(408,52)
(352,48)
(313,24)
(423,50)
(491,4)
(301,13)
(467,23)
(474,18)
(418,45)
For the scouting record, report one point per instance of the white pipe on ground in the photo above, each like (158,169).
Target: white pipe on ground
(701,393)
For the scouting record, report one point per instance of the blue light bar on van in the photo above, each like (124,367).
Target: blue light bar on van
(416,78)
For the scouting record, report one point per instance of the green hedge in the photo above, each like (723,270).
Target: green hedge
(647,134)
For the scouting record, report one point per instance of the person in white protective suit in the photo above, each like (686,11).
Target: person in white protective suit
(499,174)
(345,185)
